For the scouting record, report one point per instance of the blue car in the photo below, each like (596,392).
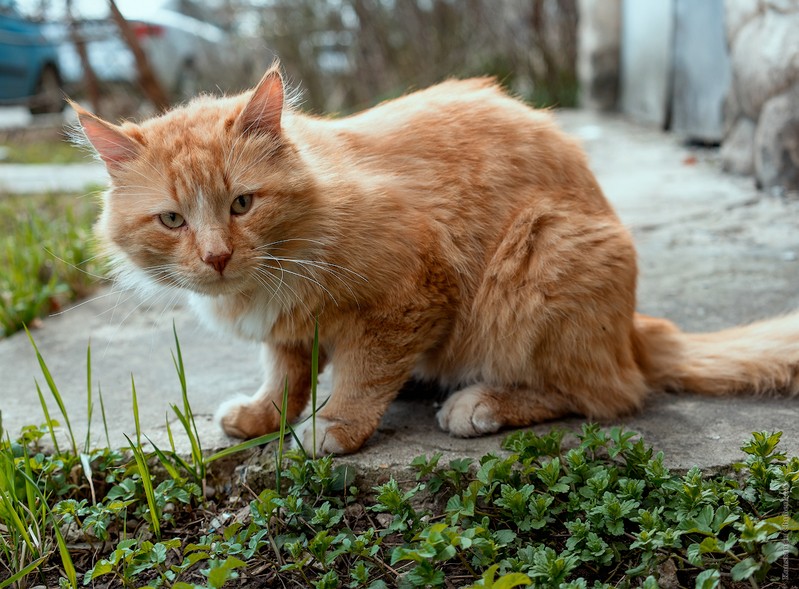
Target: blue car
(29,72)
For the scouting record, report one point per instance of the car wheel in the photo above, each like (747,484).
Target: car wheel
(49,96)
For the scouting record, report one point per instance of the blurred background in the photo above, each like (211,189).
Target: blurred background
(716,72)
(342,54)
(720,75)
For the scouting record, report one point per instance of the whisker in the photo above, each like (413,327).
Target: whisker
(259,277)
(280,241)
(86,302)
(71,265)
(285,284)
(300,275)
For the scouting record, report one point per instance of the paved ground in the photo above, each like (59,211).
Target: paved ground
(713,253)
(38,178)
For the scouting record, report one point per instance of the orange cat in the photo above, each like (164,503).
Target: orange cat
(455,235)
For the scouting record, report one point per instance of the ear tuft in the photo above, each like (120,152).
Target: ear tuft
(112,143)
(264,110)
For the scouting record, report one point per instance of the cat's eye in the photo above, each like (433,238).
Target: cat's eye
(241,204)
(172,220)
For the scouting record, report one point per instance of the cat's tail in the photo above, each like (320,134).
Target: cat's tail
(759,358)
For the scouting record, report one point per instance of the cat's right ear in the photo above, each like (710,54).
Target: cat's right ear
(113,145)
(264,110)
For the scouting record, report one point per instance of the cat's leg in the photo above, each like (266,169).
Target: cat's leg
(483,409)
(554,316)
(370,367)
(249,417)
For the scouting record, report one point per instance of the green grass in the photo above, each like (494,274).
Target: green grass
(42,152)
(45,254)
(599,509)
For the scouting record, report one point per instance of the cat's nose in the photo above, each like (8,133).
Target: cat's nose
(217,261)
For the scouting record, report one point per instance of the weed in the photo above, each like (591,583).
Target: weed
(54,151)
(597,510)
(34,282)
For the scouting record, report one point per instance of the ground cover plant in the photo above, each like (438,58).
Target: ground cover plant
(45,254)
(596,510)
(44,150)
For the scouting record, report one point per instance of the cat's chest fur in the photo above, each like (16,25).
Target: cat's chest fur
(251,318)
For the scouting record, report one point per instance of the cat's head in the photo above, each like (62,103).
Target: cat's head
(201,196)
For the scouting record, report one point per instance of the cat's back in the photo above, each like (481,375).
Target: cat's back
(473,104)
(464,135)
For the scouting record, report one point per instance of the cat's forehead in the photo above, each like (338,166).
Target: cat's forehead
(200,147)
(200,124)
(190,144)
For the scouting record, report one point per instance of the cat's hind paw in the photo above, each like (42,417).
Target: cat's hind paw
(469,412)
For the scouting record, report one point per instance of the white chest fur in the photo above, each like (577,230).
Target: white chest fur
(248,318)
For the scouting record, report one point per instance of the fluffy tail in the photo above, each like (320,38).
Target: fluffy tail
(759,358)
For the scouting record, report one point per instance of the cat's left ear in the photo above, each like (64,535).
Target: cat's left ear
(112,143)
(265,107)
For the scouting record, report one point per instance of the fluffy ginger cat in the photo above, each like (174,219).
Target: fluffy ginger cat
(454,235)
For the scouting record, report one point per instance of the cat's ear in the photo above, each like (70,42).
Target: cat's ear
(112,143)
(265,107)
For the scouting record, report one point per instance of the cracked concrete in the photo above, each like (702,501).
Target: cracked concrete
(713,252)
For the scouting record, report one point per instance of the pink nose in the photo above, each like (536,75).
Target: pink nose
(217,261)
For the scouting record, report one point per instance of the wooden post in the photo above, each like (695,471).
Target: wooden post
(89,77)
(149,83)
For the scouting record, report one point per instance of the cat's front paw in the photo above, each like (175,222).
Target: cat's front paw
(324,441)
(240,417)
(469,413)
(333,436)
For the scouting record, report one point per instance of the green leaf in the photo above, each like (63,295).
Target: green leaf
(708,579)
(744,569)
(101,568)
(773,551)
(650,583)
(219,576)
(512,580)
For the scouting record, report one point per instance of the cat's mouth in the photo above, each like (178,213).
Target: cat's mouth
(218,285)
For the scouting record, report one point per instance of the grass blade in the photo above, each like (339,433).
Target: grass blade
(190,425)
(175,456)
(135,410)
(85,462)
(283,413)
(47,417)
(196,469)
(281,440)
(102,412)
(29,489)
(23,572)
(314,379)
(10,504)
(165,462)
(54,390)
(260,440)
(147,483)
(66,558)
(169,434)
(89,404)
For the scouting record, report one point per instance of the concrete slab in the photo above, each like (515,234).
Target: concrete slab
(713,253)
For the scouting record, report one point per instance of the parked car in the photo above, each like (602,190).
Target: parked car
(187,55)
(29,66)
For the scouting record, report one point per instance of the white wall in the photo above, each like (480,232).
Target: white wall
(647,37)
